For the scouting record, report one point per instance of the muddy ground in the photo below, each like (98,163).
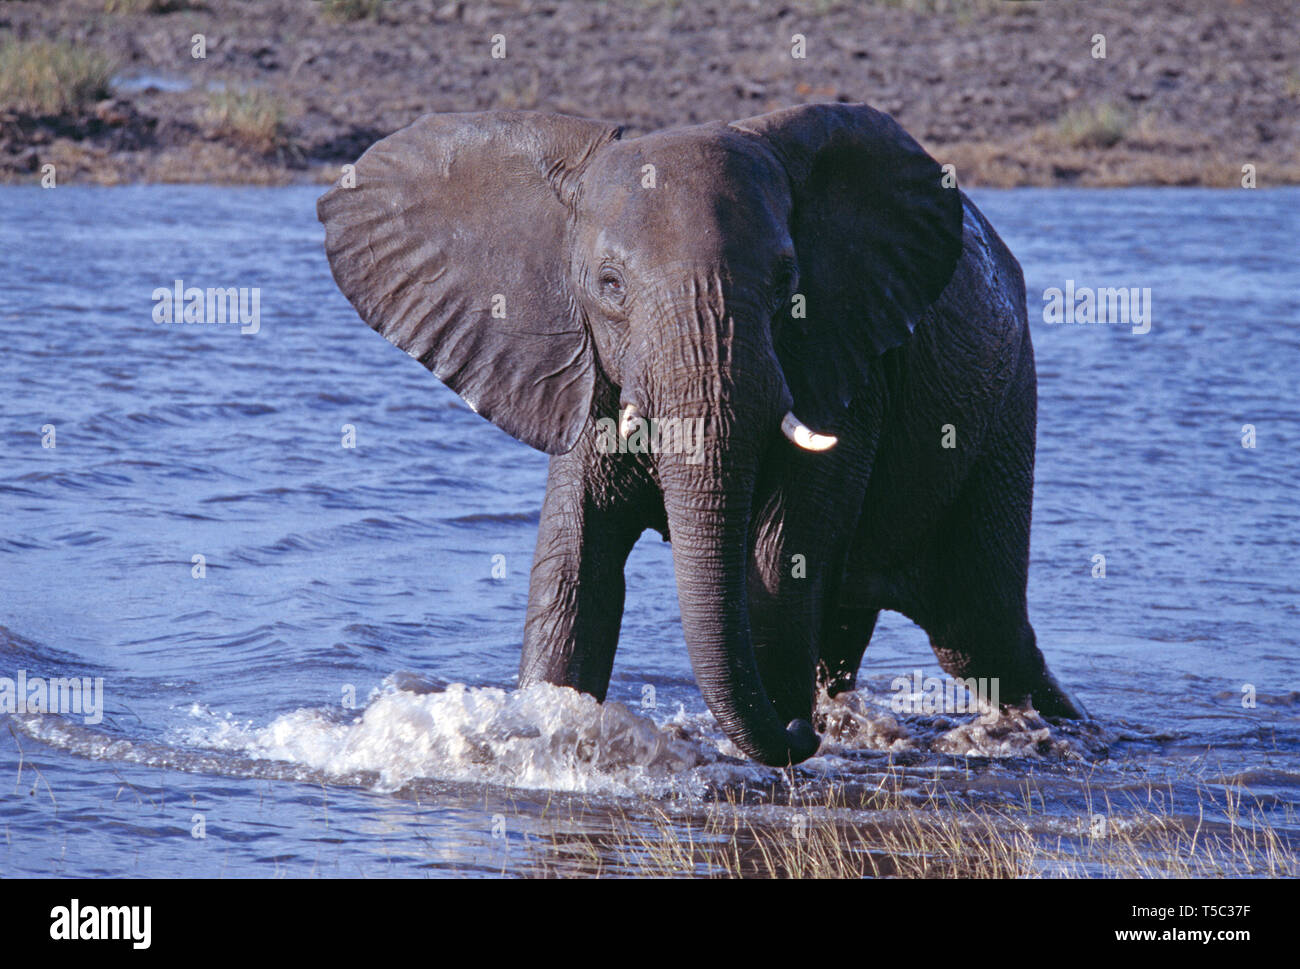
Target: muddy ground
(1188,92)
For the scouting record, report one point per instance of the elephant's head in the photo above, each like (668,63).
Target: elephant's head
(729,274)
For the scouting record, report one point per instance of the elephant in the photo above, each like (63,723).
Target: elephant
(723,278)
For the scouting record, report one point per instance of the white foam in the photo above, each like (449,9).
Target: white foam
(542,737)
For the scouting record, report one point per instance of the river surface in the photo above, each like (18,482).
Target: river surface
(330,689)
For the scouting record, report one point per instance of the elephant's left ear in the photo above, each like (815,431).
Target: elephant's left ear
(877,236)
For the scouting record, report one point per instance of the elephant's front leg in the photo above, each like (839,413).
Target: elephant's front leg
(590,521)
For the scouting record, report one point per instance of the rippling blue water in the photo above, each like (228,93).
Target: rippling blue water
(329,568)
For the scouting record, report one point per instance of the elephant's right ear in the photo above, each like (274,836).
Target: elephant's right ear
(451,242)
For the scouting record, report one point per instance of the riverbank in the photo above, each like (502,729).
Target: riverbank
(1011,93)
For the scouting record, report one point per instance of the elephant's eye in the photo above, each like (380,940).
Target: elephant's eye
(610,283)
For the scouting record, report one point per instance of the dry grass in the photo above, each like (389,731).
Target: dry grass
(1101,125)
(44,77)
(345,11)
(251,118)
(889,833)
(1151,152)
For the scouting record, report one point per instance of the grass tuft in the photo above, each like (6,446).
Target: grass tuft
(346,11)
(251,118)
(1101,125)
(44,77)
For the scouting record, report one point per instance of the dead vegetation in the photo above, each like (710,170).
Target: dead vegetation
(891,833)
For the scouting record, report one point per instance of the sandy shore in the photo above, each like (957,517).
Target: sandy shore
(1011,93)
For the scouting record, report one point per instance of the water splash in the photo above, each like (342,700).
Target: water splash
(543,737)
(863,721)
(553,738)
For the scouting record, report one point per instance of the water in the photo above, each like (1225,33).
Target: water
(367,572)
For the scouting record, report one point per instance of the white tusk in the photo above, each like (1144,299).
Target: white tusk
(629,421)
(802,435)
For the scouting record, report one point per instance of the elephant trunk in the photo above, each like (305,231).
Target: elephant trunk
(708,498)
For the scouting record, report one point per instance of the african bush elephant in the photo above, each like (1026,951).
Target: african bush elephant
(724,278)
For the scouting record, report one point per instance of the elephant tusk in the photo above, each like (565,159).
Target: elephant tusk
(802,435)
(629,420)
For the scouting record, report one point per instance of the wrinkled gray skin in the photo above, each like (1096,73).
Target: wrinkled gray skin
(679,299)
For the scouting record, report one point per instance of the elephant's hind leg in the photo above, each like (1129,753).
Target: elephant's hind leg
(972,601)
(985,646)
